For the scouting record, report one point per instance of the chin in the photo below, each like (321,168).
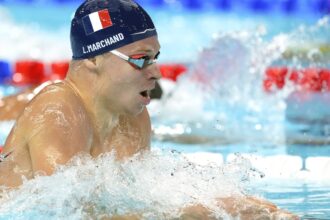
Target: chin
(139,111)
(135,110)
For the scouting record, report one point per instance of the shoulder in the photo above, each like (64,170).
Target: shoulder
(54,127)
(55,100)
(55,112)
(55,96)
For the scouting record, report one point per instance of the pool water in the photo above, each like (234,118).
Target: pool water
(274,145)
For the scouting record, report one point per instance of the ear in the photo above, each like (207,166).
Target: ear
(91,64)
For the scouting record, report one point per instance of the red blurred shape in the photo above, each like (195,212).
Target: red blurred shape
(172,71)
(294,75)
(325,79)
(311,80)
(59,69)
(28,72)
(275,78)
(1,149)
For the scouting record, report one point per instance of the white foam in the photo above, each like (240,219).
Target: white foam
(319,166)
(205,158)
(280,166)
(274,166)
(155,183)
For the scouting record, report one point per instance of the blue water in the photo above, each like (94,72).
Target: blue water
(230,115)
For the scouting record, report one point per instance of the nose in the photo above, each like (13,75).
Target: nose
(153,72)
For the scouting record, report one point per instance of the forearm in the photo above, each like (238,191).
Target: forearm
(243,207)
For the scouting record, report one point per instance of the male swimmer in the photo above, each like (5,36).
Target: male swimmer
(101,105)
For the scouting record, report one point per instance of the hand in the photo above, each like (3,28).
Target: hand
(253,208)
(246,208)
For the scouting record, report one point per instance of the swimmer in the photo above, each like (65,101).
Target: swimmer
(101,104)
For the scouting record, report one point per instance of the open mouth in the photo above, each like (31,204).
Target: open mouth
(145,93)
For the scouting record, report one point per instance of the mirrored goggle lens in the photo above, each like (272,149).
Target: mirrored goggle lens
(142,61)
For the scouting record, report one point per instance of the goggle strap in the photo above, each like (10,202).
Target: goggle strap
(123,56)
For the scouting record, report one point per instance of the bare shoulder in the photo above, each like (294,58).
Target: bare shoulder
(57,97)
(56,118)
(57,106)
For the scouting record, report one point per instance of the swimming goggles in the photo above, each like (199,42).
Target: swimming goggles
(138,61)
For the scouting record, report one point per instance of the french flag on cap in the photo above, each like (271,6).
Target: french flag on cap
(97,21)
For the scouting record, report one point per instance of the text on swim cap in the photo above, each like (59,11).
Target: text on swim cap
(103,43)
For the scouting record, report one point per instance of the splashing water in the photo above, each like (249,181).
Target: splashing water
(222,96)
(156,184)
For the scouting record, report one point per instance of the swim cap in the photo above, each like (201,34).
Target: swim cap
(100,26)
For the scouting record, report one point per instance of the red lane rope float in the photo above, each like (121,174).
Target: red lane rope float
(172,71)
(28,72)
(309,79)
(58,70)
(325,78)
(34,72)
(275,76)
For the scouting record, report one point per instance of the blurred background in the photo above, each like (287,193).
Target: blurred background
(183,25)
(247,76)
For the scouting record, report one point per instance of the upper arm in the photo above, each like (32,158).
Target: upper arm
(57,133)
(52,146)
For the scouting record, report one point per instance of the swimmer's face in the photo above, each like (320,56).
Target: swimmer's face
(123,87)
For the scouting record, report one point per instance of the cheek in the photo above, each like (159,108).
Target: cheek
(126,80)
(120,82)
(122,74)
(121,89)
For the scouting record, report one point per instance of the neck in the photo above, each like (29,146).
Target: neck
(103,120)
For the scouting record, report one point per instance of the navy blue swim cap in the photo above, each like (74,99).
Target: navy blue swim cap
(100,26)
